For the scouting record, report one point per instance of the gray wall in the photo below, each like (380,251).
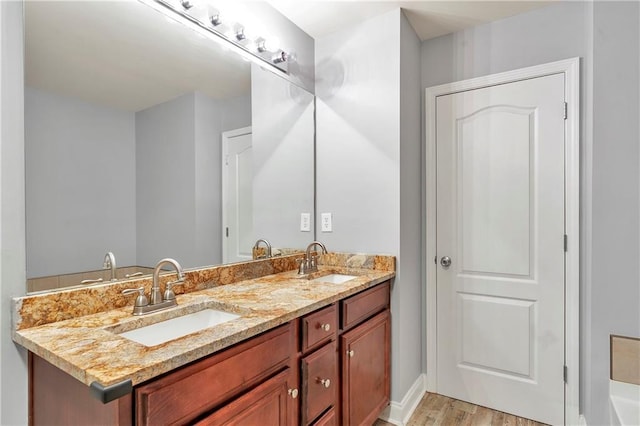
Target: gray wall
(81,181)
(283,159)
(358,130)
(409,298)
(212,117)
(13,373)
(544,35)
(605,35)
(178,180)
(165,181)
(80,192)
(367,130)
(236,113)
(208,182)
(613,304)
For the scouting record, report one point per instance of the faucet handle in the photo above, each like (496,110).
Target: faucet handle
(97,280)
(302,266)
(135,274)
(141,300)
(168,291)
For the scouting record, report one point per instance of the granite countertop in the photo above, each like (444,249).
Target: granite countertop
(89,348)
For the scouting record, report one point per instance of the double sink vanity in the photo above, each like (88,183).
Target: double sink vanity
(247,343)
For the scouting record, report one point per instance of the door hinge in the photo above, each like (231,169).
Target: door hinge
(566,110)
(227,231)
(566,243)
(564,373)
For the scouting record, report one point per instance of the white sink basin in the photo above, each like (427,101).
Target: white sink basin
(174,328)
(335,278)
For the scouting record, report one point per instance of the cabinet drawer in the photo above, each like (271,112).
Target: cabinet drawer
(319,382)
(365,304)
(189,392)
(319,327)
(330,418)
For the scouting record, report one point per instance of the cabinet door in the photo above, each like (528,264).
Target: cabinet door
(365,352)
(187,393)
(319,382)
(267,404)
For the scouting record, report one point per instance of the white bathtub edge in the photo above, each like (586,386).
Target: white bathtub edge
(625,403)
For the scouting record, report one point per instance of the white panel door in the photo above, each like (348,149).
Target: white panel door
(238,226)
(500,219)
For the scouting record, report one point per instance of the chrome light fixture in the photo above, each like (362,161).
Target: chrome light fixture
(213,25)
(215,20)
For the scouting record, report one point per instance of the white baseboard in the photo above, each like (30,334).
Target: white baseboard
(398,413)
(582,420)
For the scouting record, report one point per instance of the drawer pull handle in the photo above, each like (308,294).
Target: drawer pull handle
(325,327)
(293,393)
(325,382)
(350,353)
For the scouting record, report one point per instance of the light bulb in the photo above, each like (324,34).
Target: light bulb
(272,44)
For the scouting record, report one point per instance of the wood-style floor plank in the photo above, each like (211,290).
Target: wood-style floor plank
(439,410)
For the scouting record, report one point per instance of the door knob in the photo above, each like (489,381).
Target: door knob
(445,261)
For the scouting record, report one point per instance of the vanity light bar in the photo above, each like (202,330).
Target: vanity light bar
(237,42)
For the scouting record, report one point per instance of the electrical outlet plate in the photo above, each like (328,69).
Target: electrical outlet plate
(305,222)
(326,222)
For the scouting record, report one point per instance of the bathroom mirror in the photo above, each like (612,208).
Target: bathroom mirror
(147,140)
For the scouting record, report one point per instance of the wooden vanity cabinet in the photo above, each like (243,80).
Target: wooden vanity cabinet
(365,353)
(329,367)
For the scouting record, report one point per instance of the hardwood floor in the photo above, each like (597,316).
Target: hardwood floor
(436,409)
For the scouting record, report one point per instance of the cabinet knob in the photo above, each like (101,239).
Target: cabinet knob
(325,382)
(325,327)
(350,353)
(293,393)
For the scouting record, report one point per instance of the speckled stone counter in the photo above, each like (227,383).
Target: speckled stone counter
(84,342)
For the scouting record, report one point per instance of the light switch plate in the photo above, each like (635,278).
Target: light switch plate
(305,222)
(326,224)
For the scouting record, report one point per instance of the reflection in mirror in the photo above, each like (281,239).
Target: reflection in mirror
(125,117)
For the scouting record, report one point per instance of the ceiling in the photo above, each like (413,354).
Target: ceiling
(429,19)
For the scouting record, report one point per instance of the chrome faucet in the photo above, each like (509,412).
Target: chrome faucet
(310,263)
(156,295)
(157,300)
(257,245)
(110,263)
